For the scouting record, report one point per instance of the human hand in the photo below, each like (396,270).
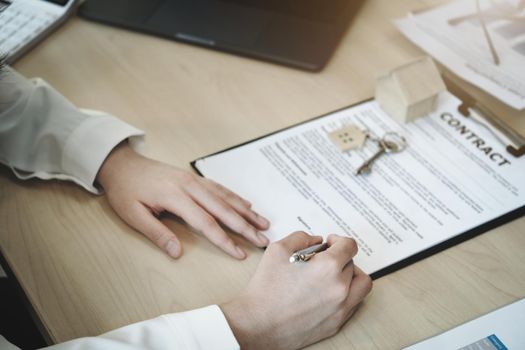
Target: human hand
(139,189)
(289,306)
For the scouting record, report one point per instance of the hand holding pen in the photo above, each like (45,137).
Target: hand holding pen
(309,301)
(308,253)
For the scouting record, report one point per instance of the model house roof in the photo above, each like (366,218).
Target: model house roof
(417,80)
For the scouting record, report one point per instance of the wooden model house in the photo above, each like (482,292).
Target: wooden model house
(411,90)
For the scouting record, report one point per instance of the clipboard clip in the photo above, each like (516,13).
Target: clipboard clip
(470,108)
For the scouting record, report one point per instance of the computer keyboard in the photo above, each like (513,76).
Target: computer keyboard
(23,22)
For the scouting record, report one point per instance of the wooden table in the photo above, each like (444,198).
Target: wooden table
(86,272)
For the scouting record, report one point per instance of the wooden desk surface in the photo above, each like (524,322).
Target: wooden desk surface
(86,272)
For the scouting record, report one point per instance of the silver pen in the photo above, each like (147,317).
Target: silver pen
(308,253)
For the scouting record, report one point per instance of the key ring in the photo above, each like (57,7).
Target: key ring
(392,142)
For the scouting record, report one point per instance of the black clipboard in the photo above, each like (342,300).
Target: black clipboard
(459,238)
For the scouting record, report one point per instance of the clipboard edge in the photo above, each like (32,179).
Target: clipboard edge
(451,242)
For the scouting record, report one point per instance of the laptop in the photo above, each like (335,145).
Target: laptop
(23,23)
(298,33)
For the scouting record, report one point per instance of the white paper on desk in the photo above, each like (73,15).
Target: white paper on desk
(463,49)
(440,186)
(499,330)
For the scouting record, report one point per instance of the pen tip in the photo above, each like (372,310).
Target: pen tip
(293,259)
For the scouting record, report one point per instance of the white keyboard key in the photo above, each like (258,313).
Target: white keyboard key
(24,20)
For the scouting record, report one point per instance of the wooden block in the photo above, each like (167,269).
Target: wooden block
(411,90)
(348,137)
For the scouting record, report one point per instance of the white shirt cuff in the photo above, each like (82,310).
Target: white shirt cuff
(91,142)
(203,329)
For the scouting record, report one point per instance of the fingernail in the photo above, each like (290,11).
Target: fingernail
(173,249)
(262,239)
(263,221)
(240,253)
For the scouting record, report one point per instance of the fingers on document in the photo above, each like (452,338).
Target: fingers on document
(202,221)
(341,249)
(221,190)
(241,205)
(230,209)
(348,273)
(143,220)
(360,286)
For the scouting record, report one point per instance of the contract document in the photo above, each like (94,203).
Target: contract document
(454,36)
(453,177)
(499,330)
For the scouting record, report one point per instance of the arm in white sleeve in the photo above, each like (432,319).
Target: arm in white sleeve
(200,329)
(43,135)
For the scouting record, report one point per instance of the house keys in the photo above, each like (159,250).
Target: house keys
(391,142)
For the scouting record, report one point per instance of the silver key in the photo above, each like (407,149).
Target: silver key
(391,142)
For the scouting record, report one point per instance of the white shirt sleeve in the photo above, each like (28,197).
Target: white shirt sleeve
(43,135)
(200,329)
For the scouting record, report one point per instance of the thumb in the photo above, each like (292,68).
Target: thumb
(299,240)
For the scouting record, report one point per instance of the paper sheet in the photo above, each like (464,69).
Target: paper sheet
(453,176)
(499,330)
(463,49)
